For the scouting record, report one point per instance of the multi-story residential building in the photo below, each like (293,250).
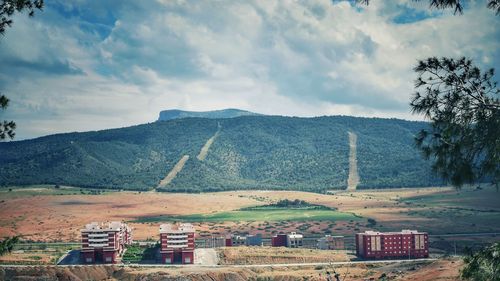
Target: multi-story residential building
(229,240)
(291,240)
(177,243)
(238,240)
(279,240)
(404,244)
(294,240)
(104,242)
(254,240)
(331,243)
(248,240)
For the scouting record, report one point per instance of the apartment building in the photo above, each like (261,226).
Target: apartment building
(404,244)
(104,242)
(294,240)
(177,243)
(330,242)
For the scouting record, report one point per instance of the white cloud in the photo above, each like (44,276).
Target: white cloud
(121,66)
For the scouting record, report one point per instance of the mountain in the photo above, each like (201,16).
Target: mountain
(249,152)
(170,114)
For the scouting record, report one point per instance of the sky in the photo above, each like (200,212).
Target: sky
(88,65)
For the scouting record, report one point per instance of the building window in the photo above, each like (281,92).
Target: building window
(108,259)
(168,260)
(187,260)
(88,259)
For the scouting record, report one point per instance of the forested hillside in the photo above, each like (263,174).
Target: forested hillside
(250,152)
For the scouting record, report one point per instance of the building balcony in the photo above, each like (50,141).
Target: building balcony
(177,241)
(98,240)
(98,245)
(177,246)
(96,235)
(174,236)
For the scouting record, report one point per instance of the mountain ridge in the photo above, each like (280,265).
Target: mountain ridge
(250,152)
(171,114)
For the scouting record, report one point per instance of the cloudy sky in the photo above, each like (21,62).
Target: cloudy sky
(88,65)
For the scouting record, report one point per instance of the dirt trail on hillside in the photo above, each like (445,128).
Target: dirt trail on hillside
(175,170)
(206,147)
(353,180)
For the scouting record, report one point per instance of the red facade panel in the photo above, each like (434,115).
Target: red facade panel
(405,244)
(103,242)
(279,240)
(187,257)
(177,243)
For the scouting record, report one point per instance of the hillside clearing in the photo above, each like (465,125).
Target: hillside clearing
(175,170)
(353,180)
(204,150)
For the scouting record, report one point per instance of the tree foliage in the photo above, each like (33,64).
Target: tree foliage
(9,7)
(6,127)
(7,10)
(483,265)
(8,244)
(260,152)
(463,106)
(456,5)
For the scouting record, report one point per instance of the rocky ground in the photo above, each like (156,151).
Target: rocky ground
(445,270)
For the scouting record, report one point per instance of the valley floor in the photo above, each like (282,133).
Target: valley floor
(48,214)
(45,214)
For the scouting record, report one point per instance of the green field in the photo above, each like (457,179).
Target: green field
(268,214)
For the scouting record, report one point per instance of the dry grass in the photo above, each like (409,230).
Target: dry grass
(31,257)
(270,255)
(60,217)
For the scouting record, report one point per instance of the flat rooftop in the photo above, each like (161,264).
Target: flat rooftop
(404,231)
(295,235)
(176,228)
(104,226)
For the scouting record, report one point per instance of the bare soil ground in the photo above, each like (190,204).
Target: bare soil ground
(442,270)
(447,269)
(204,150)
(207,256)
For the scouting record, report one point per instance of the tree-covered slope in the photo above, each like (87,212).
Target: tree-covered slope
(131,158)
(250,152)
